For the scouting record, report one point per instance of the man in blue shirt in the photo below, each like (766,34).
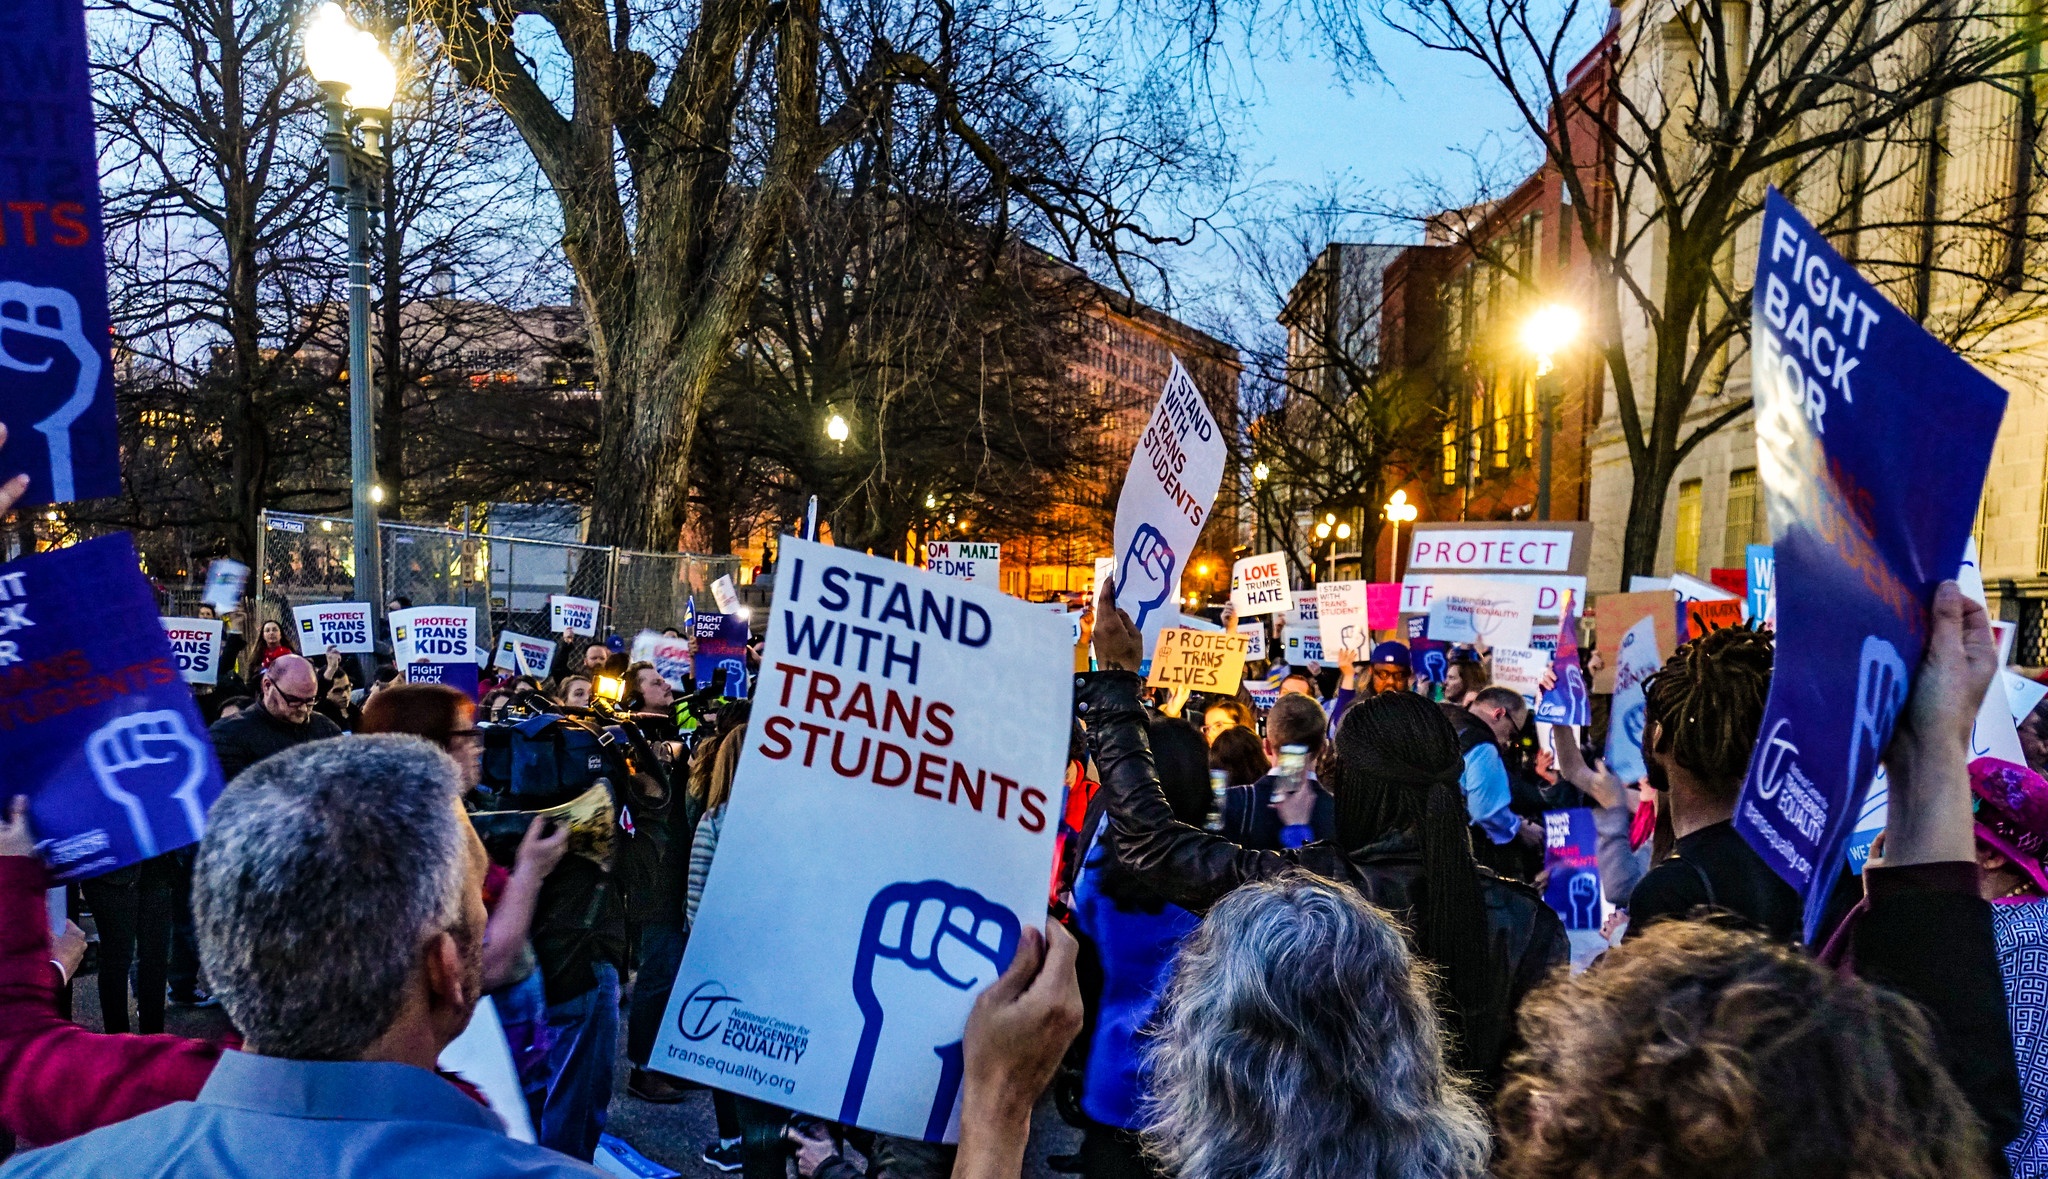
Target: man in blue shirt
(339,901)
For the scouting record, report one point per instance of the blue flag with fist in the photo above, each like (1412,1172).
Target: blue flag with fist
(97,726)
(1872,443)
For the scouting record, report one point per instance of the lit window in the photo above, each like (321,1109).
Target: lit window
(1745,524)
(1686,538)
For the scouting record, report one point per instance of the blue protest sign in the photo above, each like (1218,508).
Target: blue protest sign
(460,676)
(1872,443)
(96,725)
(57,391)
(721,659)
(1573,889)
(1566,702)
(1763,585)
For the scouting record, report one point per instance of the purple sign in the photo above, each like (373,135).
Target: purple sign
(56,382)
(96,725)
(1872,443)
(1566,702)
(1570,844)
(721,658)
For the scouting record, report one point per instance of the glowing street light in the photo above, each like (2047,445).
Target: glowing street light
(1549,330)
(1399,511)
(837,429)
(1261,471)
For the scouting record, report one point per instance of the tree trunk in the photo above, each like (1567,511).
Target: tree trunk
(1650,484)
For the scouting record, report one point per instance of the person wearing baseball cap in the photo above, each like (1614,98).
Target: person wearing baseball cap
(1391,669)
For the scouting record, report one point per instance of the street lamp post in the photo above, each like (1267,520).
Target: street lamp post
(1548,331)
(359,83)
(1399,511)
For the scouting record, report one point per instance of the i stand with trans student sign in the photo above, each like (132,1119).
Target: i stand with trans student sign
(1164,503)
(1872,443)
(889,837)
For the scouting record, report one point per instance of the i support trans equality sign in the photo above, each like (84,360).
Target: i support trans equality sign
(1872,443)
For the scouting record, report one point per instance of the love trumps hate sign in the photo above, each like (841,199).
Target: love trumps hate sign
(890,834)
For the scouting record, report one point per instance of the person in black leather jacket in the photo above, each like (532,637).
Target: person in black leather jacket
(1401,841)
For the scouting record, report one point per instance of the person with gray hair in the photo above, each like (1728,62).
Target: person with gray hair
(339,900)
(1298,1041)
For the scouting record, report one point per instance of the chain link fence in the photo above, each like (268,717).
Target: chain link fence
(306,560)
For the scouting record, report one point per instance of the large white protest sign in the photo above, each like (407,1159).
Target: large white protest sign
(225,581)
(1521,669)
(1304,636)
(434,634)
(1164,503)
(1467,609)
(195,644)
(727,596)
(1419,590)
(1342,616)
(1500,548)
(1258,585)
(572,616)
(889,836)
(523,654)
(1255,639)
(334,626)
(481,1056)
(669,655)
(965,560)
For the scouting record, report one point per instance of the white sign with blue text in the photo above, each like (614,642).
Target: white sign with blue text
(1164,504)
(195,645)
(571,615)
(889,836)
(334,626)
(434,634)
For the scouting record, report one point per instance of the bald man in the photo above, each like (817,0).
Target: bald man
(283,717)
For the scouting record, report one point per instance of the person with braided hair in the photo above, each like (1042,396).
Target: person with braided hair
(1704,707)
(1401,840)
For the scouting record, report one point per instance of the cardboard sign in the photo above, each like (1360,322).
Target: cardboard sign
(434,634)
(334,626)
(523,654)
(225,580)
(889,836)
(671,657)
(195,647)
(1467,609)
(57,397)
(1165,502)
(1343,617)
(721,658)
(727,596)
(1614,615)
(1258,585)
(1419,590)
(1198,660)
(96,726)
(1255,639)
(572,616)
(1867,517)
(1521,669)
(1573,891)
(1566,702)
(1304,631)
(1702,618)
(1762,582)
(965,560)
(1637,658)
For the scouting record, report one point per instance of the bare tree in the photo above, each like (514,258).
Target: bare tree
(682,144)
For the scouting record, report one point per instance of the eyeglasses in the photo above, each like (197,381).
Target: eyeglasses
(290,699)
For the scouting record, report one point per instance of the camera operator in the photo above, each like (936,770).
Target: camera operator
(653,867)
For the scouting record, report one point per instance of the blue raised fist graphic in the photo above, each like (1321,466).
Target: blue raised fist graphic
(144,760)
(940,937)
(1880,691)
(32,320)
(1146,575)
(1583,892)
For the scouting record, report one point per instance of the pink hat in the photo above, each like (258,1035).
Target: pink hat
(2012,813)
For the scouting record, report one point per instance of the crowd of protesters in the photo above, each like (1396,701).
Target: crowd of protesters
(1297,940)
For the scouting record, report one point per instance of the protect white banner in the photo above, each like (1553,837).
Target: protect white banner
(889,836)
(572,616)
(1419,590)
(1465,550)
(434,634)
(1341,613)
(523,654)
(670,657)
(334,626)
(1467,609)
(1258,585)
(195,643)
(1164,503)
